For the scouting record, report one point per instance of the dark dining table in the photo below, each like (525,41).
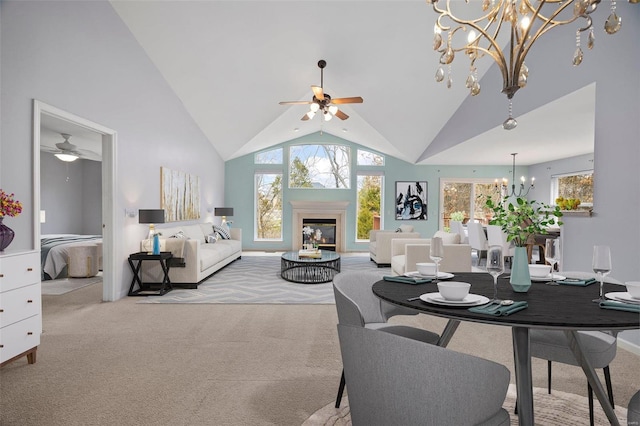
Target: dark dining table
(563,307)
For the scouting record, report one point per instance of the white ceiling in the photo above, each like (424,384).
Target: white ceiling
(231,62)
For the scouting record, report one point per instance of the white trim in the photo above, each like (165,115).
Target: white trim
(110,238)
(629,346)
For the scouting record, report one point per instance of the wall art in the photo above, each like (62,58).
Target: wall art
(411,200)
(180,195)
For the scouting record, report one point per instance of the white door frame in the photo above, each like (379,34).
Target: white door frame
(110,240)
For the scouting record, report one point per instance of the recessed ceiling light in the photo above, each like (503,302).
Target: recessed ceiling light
(296,129)
(344,129)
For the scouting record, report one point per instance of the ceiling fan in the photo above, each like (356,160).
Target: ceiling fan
(66,151)
(322,102)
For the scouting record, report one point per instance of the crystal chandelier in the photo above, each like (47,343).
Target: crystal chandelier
(526,21)
(504,190)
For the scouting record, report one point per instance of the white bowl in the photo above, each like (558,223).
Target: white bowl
(453,290)
(633,288)
(539,271)
(426,268)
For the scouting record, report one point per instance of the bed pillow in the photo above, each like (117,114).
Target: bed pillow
(222,231)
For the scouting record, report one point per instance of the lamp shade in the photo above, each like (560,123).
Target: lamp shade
(151,216)
(223,211)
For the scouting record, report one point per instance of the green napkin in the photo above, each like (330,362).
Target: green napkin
(498,310)
(406,280)
(620,306)
(577,281)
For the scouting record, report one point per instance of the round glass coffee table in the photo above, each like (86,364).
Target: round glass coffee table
(309,270)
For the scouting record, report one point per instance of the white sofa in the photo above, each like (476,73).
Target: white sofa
(380,244)
(405,253)
(201,259)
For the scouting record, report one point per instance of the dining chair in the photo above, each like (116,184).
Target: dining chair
(599,347)
(477,239)
(457,227)
(633,410)
(497,237)
(357,306)
(394,380)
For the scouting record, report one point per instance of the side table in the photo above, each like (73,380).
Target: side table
(149,289)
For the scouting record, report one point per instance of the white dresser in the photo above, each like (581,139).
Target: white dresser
(20,305)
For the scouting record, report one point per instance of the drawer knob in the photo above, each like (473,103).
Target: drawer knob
(1,275)
(29,269)
(29,333)
(1,346)
(1,311)
(29,301)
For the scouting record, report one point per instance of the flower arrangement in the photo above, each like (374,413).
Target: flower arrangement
(522,220)
(312,236)
(457,216)
(8,205)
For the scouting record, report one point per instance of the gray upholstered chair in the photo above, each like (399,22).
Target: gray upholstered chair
(398,381)
(358,306)
(599,347)
(633,410)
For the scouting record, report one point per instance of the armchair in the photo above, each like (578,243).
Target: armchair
(405,253)
(380,244)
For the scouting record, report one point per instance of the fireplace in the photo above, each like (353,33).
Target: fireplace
(320,231)
(319,211)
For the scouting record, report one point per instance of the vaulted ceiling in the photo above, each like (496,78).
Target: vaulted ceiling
(231,62)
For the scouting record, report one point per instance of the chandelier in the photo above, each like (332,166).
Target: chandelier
(526,21)
(504,190)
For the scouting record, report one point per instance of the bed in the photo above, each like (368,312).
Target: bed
(54,252)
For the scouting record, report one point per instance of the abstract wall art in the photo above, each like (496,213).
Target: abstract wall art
(180,195)
(411,200)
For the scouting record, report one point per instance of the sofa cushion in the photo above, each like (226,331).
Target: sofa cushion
(448,237)
(194,232)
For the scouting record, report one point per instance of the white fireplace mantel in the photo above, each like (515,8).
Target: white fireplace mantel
(319,210)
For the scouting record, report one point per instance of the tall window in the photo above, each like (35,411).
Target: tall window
(574,185)
(319,166)
(467,196)
(369,204)
(268,196)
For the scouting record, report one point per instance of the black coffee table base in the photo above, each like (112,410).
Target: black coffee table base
(309,271)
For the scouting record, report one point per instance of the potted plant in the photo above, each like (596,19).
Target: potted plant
(521,221)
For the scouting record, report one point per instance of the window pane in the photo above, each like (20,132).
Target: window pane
(268,206)
(269,157)
(368,158)
(481,192)
(457,198)
(576,186)
(319,166)
(369,202)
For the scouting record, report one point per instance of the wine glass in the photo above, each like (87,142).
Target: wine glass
(436,252)
(601,266)
(495,267)
(552,256)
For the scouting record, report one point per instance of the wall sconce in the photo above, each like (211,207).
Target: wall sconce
(224,212)
(130,212)
(43,216)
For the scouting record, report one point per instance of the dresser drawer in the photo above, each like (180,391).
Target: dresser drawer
(19,337)
(18,271)
(18,304)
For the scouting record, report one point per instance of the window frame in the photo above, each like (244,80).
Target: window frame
(555,186)
(382,178)
(255,205)
(348,164)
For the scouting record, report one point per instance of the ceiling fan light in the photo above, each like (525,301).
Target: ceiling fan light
(314,107)
(327,116)
(311,114)
(66,157)
(333,109)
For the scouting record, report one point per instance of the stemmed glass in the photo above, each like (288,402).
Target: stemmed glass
(436,252)
(552,255)
(495,267)
(601,266)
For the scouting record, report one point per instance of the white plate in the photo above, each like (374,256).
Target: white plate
(441,275)
(470,300)
(557,277)
(622,296)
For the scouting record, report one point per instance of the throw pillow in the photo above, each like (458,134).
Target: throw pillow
(222,231)
(178,234)
(398,230)
(212,238)
(406,228)
(448,237)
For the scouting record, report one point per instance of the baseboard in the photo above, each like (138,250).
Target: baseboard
(629,346)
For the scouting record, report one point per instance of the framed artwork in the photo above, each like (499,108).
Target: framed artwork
(180,195)
(411,200)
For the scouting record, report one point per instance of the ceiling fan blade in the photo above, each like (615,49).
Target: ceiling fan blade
(317,91)
(305,117)
(341,115)
(352,100)
(295,102)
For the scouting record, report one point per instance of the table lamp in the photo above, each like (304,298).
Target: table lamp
(224,212)
(151,216)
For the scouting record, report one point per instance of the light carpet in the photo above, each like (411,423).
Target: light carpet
(65,285)
(559,408)
(256,279)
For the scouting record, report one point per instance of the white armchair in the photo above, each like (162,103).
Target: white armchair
(380,244)
(407,252)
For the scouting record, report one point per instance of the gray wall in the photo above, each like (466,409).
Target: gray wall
(79,57)
(71,196)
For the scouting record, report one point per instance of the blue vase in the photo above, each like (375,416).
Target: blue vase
(520,279)
(156,244)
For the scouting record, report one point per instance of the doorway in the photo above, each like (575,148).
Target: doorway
(107,140)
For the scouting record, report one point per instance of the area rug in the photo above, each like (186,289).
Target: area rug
(559,408)
(65,285)
(256,279)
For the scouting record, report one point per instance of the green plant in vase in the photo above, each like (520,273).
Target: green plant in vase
(521,220)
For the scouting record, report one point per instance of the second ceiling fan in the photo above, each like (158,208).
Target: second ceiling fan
(322,102)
